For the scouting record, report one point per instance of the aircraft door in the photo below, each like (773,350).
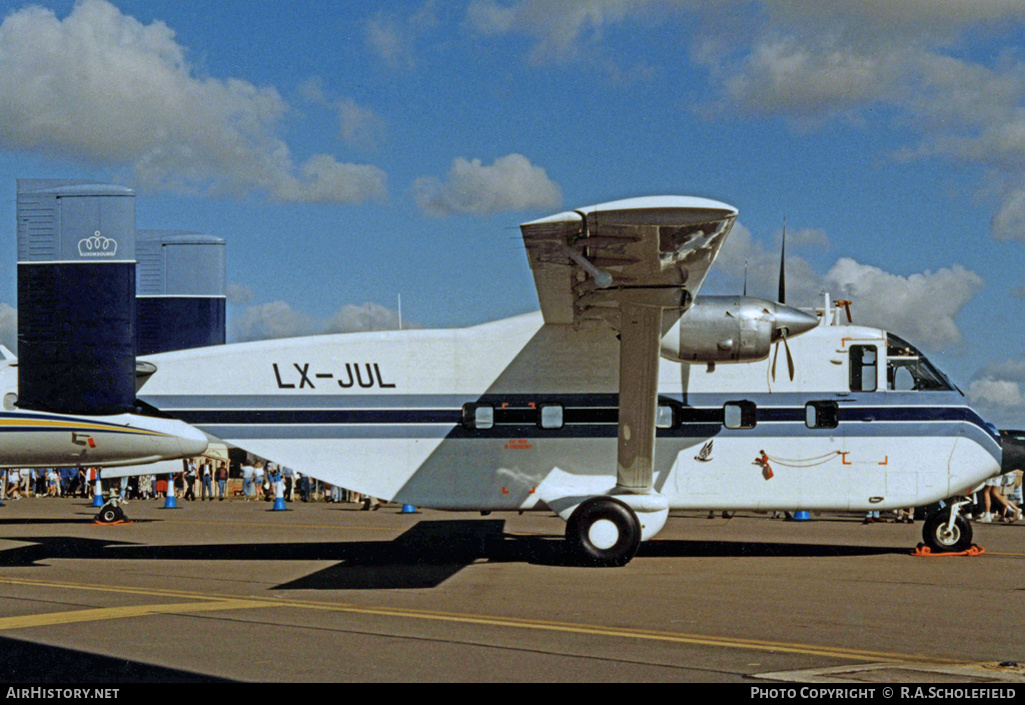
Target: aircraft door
(962,463)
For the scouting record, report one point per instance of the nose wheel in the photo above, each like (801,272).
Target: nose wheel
(603,531)
(947,531)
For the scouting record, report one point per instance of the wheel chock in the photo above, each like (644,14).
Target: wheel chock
(924,551)
(119,522)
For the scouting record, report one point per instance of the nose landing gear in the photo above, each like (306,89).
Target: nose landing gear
(947,531)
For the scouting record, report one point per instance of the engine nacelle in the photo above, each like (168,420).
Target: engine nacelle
(732,329)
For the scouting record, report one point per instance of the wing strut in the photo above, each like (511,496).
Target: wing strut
(638,396)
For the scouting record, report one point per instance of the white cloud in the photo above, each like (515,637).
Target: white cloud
(394,40)
(9,327)
(1009,222)
(560,29)
(101,86)
(278,319)
(922,307)
(512,183)
(369,316)
(996,392)
(360,126)
(910,63)
(271,320)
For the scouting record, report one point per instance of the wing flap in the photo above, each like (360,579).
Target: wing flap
(584,260)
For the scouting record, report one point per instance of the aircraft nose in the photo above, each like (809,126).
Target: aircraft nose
(1013,445)
(192,441)
(794,320)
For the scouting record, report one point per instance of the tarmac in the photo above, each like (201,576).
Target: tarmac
(235,592)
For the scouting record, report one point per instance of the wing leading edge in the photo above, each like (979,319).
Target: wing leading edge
(635,265)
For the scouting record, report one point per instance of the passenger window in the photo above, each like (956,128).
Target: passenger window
(863,368)
(739,414)
(551,416)
(477,417)
(665,417)
(822,414)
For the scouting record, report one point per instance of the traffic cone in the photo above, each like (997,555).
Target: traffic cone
(408,509)
(98,492)
(279,498)
(169,500)
(802,515)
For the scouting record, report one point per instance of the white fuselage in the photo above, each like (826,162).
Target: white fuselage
(39,439)
(517,414)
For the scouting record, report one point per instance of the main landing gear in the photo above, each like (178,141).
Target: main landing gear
(606,531)
(947,531)
(112,512)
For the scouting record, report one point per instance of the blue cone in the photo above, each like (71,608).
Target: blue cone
(408,509)
(169,501)
(98,496)
(279,505)
(802,516)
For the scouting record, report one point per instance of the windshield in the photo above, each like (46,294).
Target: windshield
(907,369)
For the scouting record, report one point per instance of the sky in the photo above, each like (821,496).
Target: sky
(359,158)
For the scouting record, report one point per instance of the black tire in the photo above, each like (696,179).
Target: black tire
(939,540)
(109,514)
(604,532)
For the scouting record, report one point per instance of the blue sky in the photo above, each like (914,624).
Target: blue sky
(351,153)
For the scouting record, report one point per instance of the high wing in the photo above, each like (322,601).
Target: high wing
(635,265)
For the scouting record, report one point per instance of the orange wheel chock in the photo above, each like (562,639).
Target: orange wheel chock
(924,551)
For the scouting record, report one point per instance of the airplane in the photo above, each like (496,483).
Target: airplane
(42,439)
(625,397)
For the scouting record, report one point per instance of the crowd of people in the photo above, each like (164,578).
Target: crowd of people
(200,479)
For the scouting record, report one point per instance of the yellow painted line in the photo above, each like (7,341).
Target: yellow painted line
(105,613)
(510,622)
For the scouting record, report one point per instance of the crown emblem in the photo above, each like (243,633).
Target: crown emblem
(97,245)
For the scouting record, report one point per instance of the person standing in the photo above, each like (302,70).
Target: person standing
(274,478)
(258,479)
(287,476)
(190,480)
(222,480)
(247,478)
(206,470)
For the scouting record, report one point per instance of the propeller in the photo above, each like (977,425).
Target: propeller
(790,357)
(783,299)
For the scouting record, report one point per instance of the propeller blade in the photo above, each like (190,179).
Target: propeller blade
(782,259)
(774,357)
(790,358)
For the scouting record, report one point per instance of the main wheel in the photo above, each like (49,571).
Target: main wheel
(603,531)
(939,539)
(109,514)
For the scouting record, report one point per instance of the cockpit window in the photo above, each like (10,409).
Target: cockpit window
(863,368)
(907,369)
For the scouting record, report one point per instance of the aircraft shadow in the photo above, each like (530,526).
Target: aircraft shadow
(26,662)
(744,549)
(425,556)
